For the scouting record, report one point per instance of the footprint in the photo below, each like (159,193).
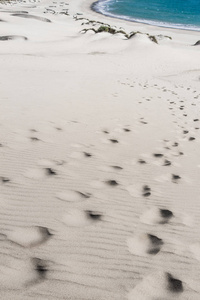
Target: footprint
(77,218)
(175,178)
(97,184)
(93,215)
(142,161)
(4,179)
(127,130)
(39,173)
(144,244)
(134,190)
(117,167)
(158,286)
(87,154)
(34,139)
(20,273)
(114,141)
(112,182)
(29,236)
(35,174)
(50,171)
(167,163)
(158,155)
(50,163)
(156,215)
(146,191)
(40,267)
(72,196)
(13,37)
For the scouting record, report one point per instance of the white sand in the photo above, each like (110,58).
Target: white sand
(100,147)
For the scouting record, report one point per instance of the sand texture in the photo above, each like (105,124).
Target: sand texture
(99,156)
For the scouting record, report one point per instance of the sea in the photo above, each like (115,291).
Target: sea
(181,14)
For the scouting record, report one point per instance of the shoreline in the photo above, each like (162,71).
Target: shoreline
(180,35)
(140,21)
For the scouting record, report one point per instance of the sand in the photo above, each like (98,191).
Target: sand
(99,156)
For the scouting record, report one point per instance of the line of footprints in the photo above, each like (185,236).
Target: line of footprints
(139,244)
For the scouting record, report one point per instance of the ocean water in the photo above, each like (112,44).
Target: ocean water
(183,14)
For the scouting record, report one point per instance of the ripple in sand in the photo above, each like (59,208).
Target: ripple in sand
(144,244)
(195,249)
(97,184)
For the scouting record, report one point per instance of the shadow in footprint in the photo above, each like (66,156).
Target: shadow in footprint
(40,267)
(146,191)
(13,37)
(144,244)
(50,172)
(156,215)
(92,215)
(112,182)
(114,141)
(174,285)
(117,167)
(4,179)
(175,178)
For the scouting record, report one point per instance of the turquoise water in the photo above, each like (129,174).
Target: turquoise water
(183,14)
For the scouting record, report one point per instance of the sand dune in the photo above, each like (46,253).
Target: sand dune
(99,155)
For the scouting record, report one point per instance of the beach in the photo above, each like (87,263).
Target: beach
(99,156)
